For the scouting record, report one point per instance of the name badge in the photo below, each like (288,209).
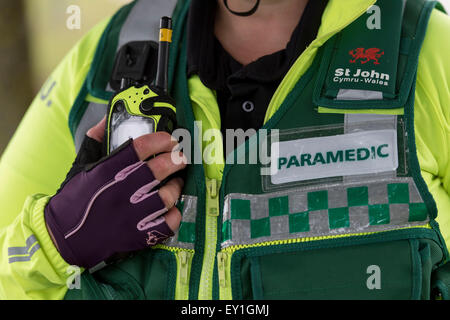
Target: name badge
(366,152)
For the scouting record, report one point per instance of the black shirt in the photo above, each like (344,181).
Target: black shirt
(243,92)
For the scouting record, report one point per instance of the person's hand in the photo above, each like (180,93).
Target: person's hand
(115,204)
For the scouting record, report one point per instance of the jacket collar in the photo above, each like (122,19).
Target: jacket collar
(340,13)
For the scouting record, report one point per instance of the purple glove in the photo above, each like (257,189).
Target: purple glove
(109,207)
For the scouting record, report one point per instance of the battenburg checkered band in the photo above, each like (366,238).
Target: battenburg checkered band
(185,236)
(328,211)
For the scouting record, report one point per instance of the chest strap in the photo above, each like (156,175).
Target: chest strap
(371,65)
(137,21)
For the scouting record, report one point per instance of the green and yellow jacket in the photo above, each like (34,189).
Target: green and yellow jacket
(299,233)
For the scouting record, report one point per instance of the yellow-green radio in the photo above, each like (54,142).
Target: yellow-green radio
(139,107)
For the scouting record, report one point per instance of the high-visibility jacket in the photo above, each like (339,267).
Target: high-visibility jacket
(358,206)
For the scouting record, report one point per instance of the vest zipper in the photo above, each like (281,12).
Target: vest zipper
(182,287)
(212,212)
(223,266)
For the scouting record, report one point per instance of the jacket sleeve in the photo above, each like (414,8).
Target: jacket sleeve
(30,265)
(31,169)
(432,116)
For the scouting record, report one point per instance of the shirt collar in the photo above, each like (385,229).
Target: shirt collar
(207,58)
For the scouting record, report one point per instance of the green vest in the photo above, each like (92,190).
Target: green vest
(346,214)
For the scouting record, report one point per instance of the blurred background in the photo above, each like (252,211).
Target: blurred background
(35,37)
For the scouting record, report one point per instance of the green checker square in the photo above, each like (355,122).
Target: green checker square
(417,212)
(279,206)
(358,196)
(398,193)
(299,222)
(318,200)
(186,233)
(240,209)
(260,228)
(180,206)
(379,214)
(338,218)
(226,230)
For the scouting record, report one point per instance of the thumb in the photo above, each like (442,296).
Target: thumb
(97,131)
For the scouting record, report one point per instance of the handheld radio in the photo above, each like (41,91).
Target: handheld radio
(140,108)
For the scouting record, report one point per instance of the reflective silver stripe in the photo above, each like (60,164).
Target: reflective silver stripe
(142,23)
(34,249)
(354,94)
(17,251)
(22,250)
(19,259)
(17,254)
(93,114)
(24,258)
(325,210)
(382,121)
(185,236)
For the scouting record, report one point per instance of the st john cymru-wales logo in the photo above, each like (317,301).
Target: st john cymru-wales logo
(366,55)
(371,77)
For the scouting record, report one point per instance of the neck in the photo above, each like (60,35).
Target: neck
(266,31)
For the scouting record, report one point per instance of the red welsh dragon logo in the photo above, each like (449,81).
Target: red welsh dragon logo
(368,55)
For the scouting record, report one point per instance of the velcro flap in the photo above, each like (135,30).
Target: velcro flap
(360,64)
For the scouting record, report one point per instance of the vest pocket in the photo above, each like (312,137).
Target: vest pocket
(440,283)
(395,270)
(150,274)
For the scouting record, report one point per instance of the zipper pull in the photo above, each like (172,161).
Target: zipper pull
(213,202)
(184,257)
(213,188)
(221,261)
